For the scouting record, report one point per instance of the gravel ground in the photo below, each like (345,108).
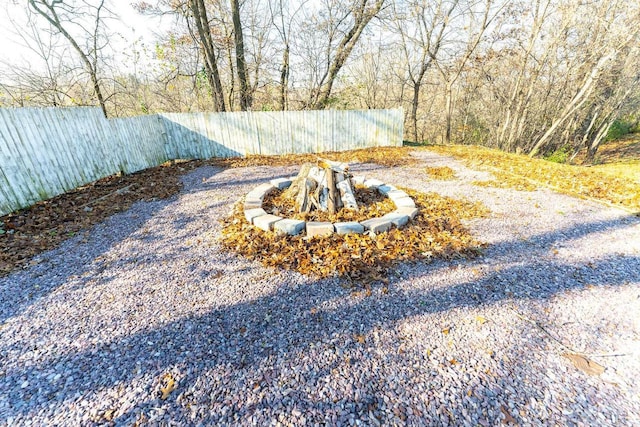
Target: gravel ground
(91,331)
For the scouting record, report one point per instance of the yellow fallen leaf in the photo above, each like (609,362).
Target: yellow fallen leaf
(481,320)
(446,331)
(168,385)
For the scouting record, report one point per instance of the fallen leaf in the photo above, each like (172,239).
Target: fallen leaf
(481,320)
(168,385)
(584,364)
(108,414)
(507,416)
(453,361)
(359,338)
(446,331)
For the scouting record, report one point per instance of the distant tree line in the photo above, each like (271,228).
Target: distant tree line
(530,76)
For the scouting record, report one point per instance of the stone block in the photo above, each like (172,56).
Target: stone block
(396,194)
(351,227)
(260,191)
(280,183)
(397,219)
(385,189)
(251,214)
(319,229)
(266,222)
(404,202)
(373,183)
(288,226)
(265,188)
(377,225)
(358,179)
(410,212)
(252,204)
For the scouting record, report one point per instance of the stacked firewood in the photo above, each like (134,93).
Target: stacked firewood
(325,186)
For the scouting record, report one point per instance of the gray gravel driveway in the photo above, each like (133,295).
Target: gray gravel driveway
(91,332)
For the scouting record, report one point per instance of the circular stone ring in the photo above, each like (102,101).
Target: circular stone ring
(254,213)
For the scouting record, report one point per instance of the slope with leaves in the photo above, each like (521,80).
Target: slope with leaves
(523,171)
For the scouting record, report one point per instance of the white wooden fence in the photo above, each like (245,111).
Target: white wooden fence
(48,151)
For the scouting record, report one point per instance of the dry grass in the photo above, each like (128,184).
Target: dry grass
(599,183)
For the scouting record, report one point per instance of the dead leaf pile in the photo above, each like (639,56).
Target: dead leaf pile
(440,172)
(436,232)
(505,180)
(585,364)
(385,156)
(522,171)
(46,224)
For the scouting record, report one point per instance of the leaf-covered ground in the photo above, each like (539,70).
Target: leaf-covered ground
(436,232)
(523,172)
(440,172)
(370,204)
(28,232)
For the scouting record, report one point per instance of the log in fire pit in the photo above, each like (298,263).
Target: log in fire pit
(326,186)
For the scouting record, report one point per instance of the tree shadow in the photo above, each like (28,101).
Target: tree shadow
(248,344)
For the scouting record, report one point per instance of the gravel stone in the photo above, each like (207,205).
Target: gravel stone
(94,329)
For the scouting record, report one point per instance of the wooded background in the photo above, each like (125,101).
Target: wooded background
(532,76)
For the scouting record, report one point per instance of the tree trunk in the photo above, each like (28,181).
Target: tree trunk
(414,111)
(241,65)
(447,112)
(206,43)
(284,79)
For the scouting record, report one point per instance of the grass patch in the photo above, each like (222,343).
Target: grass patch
(603,184)
(436,232)
(440,172)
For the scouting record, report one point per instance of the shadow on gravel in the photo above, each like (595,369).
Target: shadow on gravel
(237,340)
(18,295)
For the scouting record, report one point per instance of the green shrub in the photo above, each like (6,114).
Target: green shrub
(560,155)
(618,129)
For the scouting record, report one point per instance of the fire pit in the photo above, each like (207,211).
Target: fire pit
(326,186)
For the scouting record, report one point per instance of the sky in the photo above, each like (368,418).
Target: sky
(131,26)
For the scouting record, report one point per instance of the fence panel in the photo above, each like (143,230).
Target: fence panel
(48,151)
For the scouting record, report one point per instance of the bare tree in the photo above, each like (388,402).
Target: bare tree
(199,14)
(89,18)
(342,25)
(421,26)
